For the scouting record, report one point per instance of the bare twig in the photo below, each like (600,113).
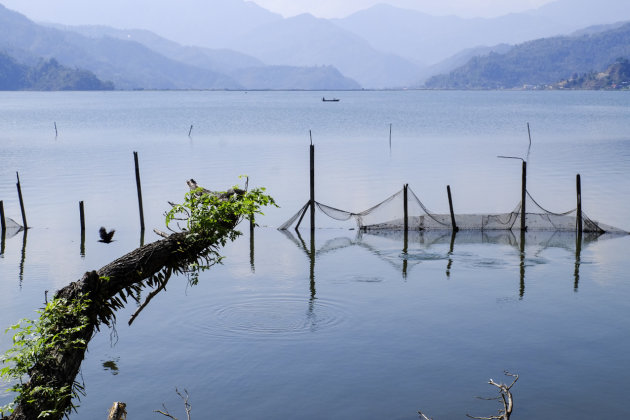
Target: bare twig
(187,406)
(423,416)
(162,286)
(505,396)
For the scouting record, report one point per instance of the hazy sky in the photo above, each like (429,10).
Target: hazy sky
(73,11)
(340,8)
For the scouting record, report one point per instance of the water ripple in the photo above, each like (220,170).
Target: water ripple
(273,316)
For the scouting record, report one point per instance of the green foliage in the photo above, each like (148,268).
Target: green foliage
(214,215)
(211,217)
(39,342)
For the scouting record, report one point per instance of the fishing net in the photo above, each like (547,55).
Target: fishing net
(13,227)
(389,215)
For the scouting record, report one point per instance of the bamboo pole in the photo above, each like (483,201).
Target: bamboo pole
(405,208)
(312,176)
(139,187)
(450,206)
(19,189)
(3,223)
(302,216)
(578,186)
(523,197)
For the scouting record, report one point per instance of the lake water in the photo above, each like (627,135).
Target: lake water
(340,325)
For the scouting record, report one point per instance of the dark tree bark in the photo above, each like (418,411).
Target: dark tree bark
(107,290)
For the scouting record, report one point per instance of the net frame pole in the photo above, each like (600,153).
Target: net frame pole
(405,208)
(450,206)
(523,197)
(578,187)
(302,216)
(19,190)
(3,223)
(312,182)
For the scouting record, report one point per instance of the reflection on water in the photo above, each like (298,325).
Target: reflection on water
(417,247)
(23,255)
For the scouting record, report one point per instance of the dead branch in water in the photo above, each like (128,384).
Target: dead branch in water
(187,406)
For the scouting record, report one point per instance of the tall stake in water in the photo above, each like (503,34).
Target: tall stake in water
(3,224)
(19,189)
(312,173)
(405,208)
(578,186)
(523,194)
(139,187)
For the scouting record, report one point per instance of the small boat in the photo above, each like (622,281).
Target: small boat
(330,100)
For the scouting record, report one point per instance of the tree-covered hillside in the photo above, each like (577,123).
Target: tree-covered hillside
(539,63)
(617,76)
(46,75)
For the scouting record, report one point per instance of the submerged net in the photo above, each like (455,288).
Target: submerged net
(389,215)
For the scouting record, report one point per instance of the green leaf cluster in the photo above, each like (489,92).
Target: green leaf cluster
(41,342)
(211,217)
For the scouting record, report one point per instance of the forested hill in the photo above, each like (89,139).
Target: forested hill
(539,63)
(46,75)
(617,76)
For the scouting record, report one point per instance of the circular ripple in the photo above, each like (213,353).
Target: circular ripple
(274,316)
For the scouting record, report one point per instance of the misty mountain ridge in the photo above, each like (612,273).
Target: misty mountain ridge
(131,65)
(380,47)
(305,40)
(542,62)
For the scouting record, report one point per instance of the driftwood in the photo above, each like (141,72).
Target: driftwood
(118,411)
(108,290)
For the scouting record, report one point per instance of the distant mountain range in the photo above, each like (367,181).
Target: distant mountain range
(540,63)
(243,46)
(130,64)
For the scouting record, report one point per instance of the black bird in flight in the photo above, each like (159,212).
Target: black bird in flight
(106,236)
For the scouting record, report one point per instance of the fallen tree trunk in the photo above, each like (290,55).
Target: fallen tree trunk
(106,290)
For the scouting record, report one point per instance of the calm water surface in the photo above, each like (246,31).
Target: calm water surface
(339,325)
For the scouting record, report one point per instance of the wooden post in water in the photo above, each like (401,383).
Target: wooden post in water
(139,187)
(405,208)
(523,197)
(82,215)
(3,223)
(450,206)
(312,175)
(390,136)
(578,185)
(19,189)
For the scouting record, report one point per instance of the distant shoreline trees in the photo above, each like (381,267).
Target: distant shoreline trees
(46,75)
